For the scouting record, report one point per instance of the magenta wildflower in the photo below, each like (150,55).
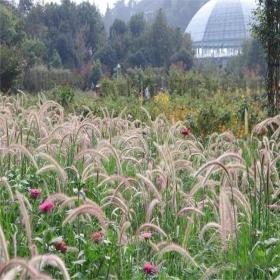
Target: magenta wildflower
(46,206)
(186,131)
(35,193)
(150,269)
(146,235)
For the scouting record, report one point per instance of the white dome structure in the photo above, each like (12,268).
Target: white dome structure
(220,27)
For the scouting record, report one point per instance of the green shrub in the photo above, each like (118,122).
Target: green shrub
(224,118)
(41,78)
(122,87)
(64,95)
(207,120)
(108,88)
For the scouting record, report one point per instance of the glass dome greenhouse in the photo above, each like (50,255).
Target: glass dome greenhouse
(220,27)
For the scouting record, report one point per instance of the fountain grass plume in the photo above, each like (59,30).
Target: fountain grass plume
(25,219)
(89,208)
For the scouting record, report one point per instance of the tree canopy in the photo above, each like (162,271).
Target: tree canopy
(267,29)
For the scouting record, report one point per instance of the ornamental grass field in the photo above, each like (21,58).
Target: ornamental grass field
(86,197)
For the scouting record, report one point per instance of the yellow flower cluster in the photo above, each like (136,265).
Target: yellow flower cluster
(162,100)
(179,114)
(235,126)
(240,132)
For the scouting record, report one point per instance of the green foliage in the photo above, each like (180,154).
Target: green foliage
(267,29)
(74,31)
(183,58)
(137,24)
(96,73)
(142,44)
(33,51)
(161,40)
(24,6)
(64,95)
(251,61)
(118,29)
(122,88)
(114,88)
(207,119)
(177,81)
(11,26)
(11,35)
(55,61)
(10,67)
(246,248)
(40,78)
(70,36)
(202,105)
(108,88)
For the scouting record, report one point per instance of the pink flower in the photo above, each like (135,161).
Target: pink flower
(146,235)
(35,193)
(150,269)
(186,131)
(61,246)
(97,236)
(46,206)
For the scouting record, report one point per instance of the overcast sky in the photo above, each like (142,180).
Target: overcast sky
(102,4)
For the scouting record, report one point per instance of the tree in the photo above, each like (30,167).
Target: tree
(33,51)
(11,26)
(137,24)
(118,29)
(183,57)
(91,26)
(253,56)
(267,30)
(161,40)
(24,6)
(96,73)
(11,36)
(108,57)
(76,32)
(119,39)
(10,67)
(55,61)
(140,58)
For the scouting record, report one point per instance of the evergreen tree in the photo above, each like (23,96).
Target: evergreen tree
(161,40)
(25,6)
(55,61)
(137,24)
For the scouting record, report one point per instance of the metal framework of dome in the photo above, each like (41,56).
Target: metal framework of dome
(220,27)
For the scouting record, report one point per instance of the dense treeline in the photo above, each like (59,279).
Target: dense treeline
(57,36)
(140,44)
(37,40)
(54,44)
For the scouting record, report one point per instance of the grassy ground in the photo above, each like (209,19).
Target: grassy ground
(134,200)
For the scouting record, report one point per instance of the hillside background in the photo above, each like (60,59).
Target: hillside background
(178,12)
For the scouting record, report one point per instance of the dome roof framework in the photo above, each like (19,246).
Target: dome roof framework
(220,27)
